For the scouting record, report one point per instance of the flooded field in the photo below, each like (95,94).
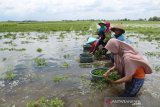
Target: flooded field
(35,65)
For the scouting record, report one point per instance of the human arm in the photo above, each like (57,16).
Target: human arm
(122,80)
(108,72)
(96,46)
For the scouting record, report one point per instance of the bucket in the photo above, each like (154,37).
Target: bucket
(97,74)
(86,48)
(86,58)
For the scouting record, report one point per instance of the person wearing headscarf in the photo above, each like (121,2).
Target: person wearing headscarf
(107,32)
(119,33)
(93,42)
(130,64)
(104,34)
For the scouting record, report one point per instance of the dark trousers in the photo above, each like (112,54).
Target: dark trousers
(133,87)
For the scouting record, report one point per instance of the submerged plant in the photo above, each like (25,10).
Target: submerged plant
(39,50)
(12,49)
(157,68)
(9,75)
(59,78)
(8,42)
(61,36)
(98,54)
(85,65)
(99,85)
(152,53)
(99,63)
(86,84)
(42,37)
(4,59)
(10,35)
(66,56)
(78,103)
(43,102)
(99,72)
(25,42)
(114,75)
(65,65)
(41,62)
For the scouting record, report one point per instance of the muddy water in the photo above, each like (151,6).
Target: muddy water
(76,90)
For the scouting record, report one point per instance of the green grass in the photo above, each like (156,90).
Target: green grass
(43,102)
(99,85)
(99,63)
(39,50)
(65,65)
(66,56)
(4,59)
(9,75)
(61,36)
(41,37)
(59,78)
(144,30)
(85,65)
(10,35)
(98,54)
(152,53)
(25,42)
(148,28)
(157,68)
(12,49)
(45,26)
(41,62)
(8,42)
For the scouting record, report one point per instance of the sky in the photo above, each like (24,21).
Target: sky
(49,10)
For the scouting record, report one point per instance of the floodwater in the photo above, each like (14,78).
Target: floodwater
(76,90)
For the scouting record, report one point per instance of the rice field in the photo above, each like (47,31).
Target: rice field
(39,64)
(44,26)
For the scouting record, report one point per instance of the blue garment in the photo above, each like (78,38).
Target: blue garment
(122,38)
(102,29)
(91,39)
(133,87)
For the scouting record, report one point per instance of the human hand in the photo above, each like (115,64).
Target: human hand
(106,74)
(111,81)
(91,53)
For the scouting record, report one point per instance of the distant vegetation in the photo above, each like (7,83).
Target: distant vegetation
(149,27)
(13,26)
(155,18)
(65,25)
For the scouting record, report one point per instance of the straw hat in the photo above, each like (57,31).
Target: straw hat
(102,22)
(118,28)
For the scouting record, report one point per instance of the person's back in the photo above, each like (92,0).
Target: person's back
(130,64)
